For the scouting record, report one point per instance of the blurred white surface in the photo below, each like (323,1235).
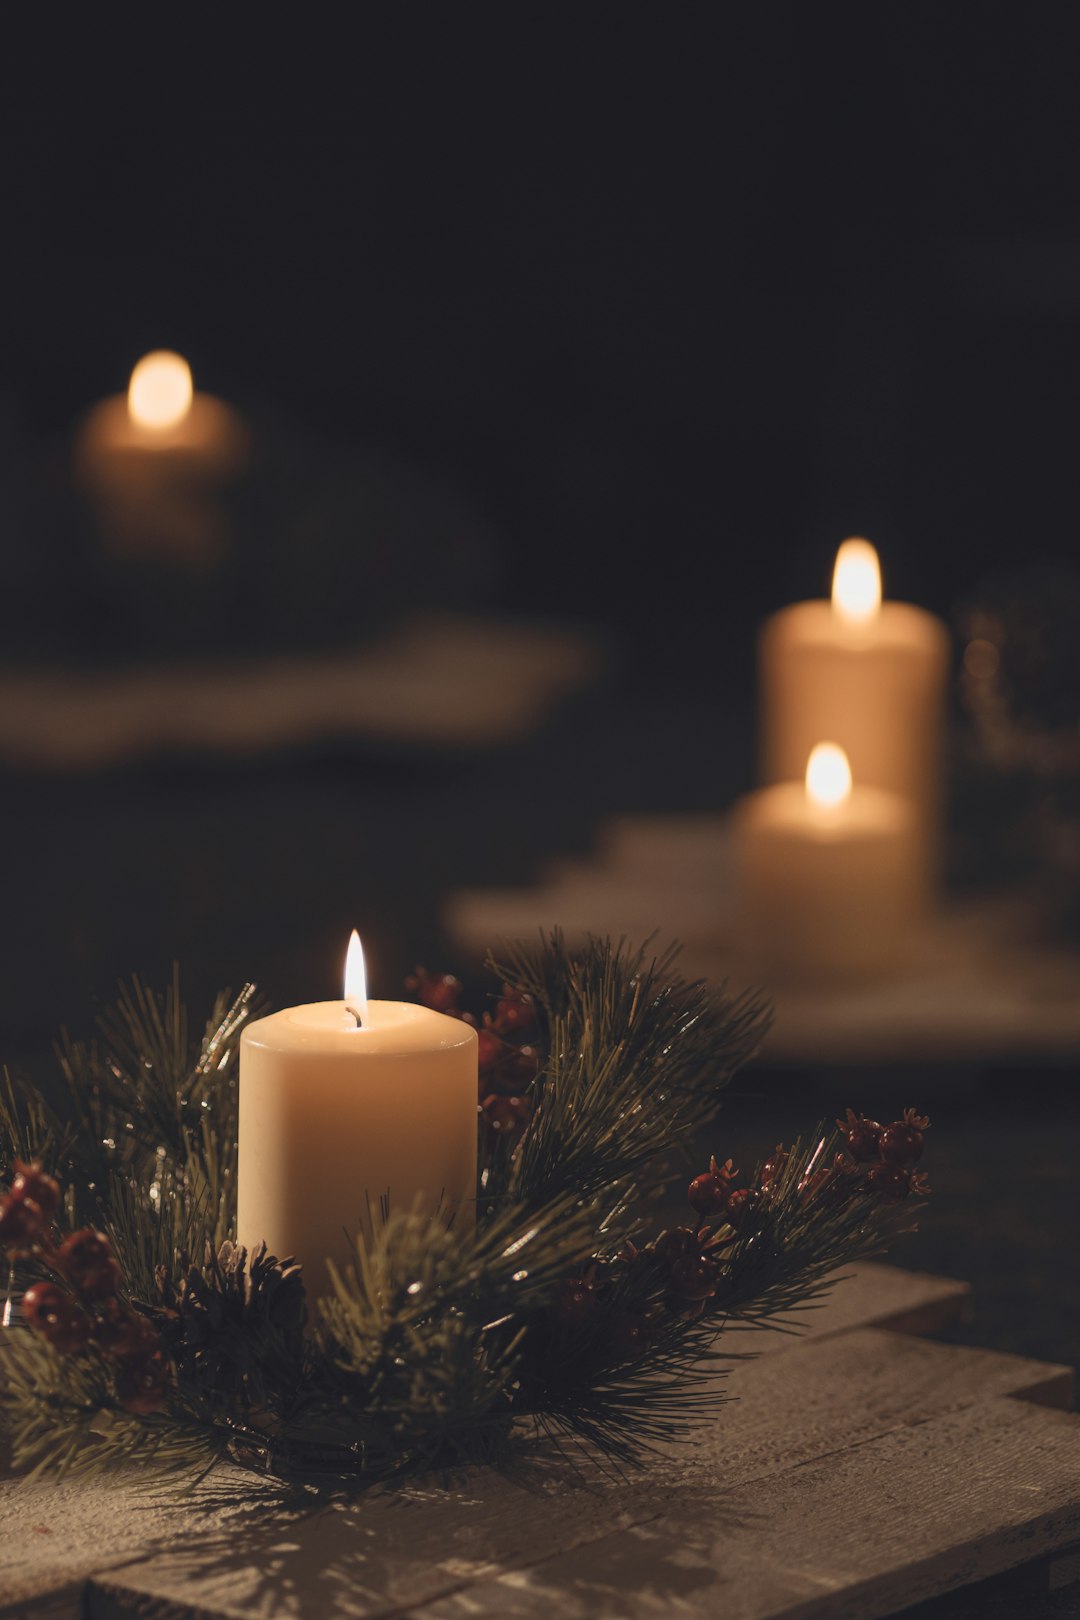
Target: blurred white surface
(983,985)
(435,682)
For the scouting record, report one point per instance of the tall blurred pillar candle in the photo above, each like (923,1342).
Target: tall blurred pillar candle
(153,461)
(348,1106)
(826,876)
(869,674)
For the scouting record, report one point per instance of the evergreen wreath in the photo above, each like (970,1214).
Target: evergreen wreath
(137,1329)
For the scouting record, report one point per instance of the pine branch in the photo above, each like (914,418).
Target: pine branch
(439,1342)
(422,1334)
(781,1261)
(143,1095)
(62,1416)
(29,1129)
(637,1060)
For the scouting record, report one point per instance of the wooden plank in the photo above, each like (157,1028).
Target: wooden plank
(834,1387)
(55,1533)
(104,1526)
(867,1295)
(388,1553)
(63,1604)
(870,1530)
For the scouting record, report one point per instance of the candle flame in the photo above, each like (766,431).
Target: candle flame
(160,391)
(356,997)
(856,585)
(828,777)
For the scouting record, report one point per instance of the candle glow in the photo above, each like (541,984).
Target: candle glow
(356,996)
(160,391)
(856,586)
(828,777)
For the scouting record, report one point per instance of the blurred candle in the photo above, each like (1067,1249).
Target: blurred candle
(826,876)
(347,1107)
(869,673)
(152,460)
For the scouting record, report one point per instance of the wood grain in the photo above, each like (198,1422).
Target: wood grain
(812,1403)
(845,1433)
(871,1529)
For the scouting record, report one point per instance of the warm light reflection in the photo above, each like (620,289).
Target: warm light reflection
(356,997)
(160,391)
(828,776)
(856,585)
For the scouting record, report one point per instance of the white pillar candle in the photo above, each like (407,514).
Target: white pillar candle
(869,674)
(826,876)
(339,1118)
(151,460)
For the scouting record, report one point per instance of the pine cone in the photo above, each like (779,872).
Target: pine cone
(234,1326)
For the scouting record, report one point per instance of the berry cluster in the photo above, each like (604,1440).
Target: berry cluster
(27,1211)
(881,1159)
(879,1163)
(83,1306)
(624,1332)
(508,1063)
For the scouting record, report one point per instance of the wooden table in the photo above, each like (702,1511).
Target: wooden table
(859,1469)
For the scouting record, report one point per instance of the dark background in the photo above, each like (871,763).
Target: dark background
(672,298)
(630,315)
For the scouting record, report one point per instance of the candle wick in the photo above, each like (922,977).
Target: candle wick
(356,1014)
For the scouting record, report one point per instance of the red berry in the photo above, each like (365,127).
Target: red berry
(518,1069)
(774,1167)
(490,1050)
(89,1263)
(863,1136)
(889,1182)
(140,1384)
(739,1204)
(902,1141)
(674,1244)
(32,1182)
(21,1221)
(123,1333)
(55,1315)
(41,1301)
(693,1278)
(629,1335)
(507,1116)
(709,1192)
(439,991)
(514,1014)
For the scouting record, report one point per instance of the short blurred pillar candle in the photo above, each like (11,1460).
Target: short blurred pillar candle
(827,876)
(349,1108)
(153,461)
(869,674)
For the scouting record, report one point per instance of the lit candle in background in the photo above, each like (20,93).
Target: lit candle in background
(348,1106)
(856,585)
(869,673)
(826,875)
(160,393)
(152,461)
